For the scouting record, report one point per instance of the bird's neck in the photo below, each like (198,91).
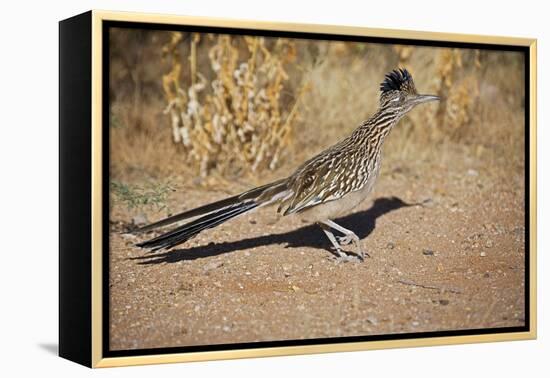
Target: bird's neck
(376,128)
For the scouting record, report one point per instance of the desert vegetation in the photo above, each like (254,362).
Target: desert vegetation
(238,122)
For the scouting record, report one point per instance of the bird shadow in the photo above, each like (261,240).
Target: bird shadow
(362,223)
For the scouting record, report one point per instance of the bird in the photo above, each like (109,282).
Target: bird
(329,185)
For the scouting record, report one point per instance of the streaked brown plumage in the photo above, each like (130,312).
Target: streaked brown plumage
(329,185)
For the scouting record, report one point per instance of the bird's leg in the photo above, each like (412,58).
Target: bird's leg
(349,237)
(337,248)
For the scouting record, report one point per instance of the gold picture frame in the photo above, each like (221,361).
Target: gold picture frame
(82,258)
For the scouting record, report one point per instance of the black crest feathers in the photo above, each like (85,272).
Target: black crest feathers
(396,80)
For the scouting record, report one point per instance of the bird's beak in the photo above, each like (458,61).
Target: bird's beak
(420,99)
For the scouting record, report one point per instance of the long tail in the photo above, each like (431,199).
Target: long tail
(210,215)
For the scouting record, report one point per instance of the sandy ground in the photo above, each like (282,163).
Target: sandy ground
(454,262)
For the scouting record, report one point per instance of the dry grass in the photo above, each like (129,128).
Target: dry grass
(481,112)
(242,106)
(233,120)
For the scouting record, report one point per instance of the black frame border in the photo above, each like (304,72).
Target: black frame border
(75,182)
(106,25)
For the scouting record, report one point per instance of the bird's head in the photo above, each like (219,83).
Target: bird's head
(399,92)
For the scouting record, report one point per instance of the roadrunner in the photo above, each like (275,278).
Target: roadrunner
(327,186)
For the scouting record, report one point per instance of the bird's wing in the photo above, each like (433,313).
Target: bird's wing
(317,181)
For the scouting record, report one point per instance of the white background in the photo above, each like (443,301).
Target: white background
(29,174)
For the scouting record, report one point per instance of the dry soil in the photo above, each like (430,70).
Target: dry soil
(446,241)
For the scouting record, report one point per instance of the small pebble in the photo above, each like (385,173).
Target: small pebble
(472,172)
(428,252)
(286,269)
(372,320)
(483,254)
(212,265)
(139,220)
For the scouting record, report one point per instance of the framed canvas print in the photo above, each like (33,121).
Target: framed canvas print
(235,189)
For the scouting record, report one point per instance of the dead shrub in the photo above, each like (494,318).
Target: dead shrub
(231,120)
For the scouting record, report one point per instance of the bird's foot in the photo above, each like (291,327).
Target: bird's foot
(351,238)
(364,255)
(347,239)
(342,257)
(361,252)
(345,259)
